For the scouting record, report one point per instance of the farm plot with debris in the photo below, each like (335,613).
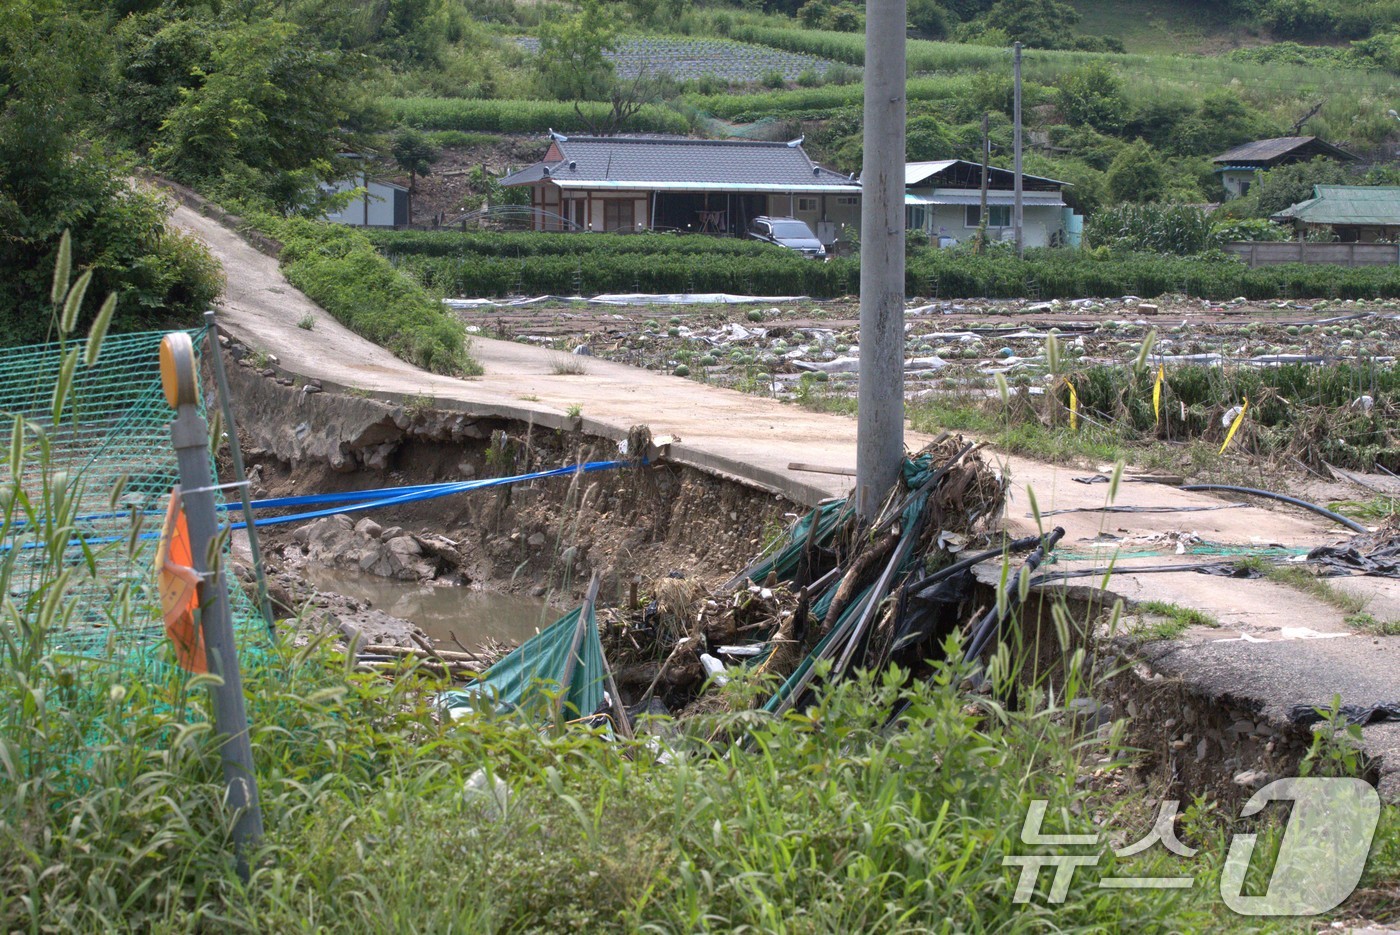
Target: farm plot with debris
(1319,377)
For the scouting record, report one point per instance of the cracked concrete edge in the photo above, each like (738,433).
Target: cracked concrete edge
(1170,658)
(773,482)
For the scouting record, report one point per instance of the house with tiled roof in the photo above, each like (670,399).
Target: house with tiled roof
(1354,213)
(596,183)
(1240,167)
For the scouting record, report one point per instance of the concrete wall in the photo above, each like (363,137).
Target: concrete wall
(1340,254)
(1236,182)
(1041,223)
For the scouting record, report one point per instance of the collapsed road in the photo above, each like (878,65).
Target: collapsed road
(1274,649)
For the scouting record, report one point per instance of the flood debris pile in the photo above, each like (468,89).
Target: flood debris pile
(855,594)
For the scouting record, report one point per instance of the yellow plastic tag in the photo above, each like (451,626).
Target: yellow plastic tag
(1157,392)
(1239,420)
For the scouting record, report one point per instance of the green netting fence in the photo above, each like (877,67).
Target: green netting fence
(110,450)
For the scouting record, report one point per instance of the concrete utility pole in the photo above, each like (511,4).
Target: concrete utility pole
(986,160)
(1019,213)
(880,432)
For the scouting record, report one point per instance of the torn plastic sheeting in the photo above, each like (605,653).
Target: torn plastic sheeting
(634,298)
(1307,715)
(1346,560)
(852,365)
(1140,509)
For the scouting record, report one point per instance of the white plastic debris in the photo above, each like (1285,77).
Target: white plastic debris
(714,669)
(489,794)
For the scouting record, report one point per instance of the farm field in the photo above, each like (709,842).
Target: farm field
(1303,363)
(692,59)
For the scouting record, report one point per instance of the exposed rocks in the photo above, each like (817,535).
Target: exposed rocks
(339,542)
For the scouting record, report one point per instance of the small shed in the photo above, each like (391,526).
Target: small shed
(382,204)
(1239,168)
(1355,213)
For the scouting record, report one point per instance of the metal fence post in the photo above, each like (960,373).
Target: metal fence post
(190,435)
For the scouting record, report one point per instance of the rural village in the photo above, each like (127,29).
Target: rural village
(749,465)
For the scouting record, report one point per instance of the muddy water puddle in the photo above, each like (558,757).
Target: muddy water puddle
(474,616)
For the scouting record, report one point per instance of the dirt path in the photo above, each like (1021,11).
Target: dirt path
(1283,648)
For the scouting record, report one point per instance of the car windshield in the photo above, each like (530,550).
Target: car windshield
(793,229)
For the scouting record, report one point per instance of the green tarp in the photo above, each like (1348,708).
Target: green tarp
(520,680)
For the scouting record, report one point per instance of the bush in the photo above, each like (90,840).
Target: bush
(338,268)
(1299,19)
(1136,175)
(1093,96)
(483,265)
(1176,229)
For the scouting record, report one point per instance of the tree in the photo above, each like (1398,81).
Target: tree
(266,121)
(1301,19)
(1136,175)
(1093,96)
(927,19)
(414,154)
(572,63)
(1284,186)
(52,179)
(1039,24)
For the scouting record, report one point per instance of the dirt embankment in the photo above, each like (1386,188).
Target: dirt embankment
(545,537)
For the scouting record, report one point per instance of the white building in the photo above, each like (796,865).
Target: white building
(944,200)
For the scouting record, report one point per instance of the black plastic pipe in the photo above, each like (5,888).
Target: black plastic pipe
(1284,498)
(991,623)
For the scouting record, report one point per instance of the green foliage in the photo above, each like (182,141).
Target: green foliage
(498,264)
(338,268)
(264,119)
(927,19)
(1284,186)
(1136,175)
(1151,228)
(572,64)
(414,153)
(1093,96)
(1039,24)
(1299,19)
(51,180)
(509,116)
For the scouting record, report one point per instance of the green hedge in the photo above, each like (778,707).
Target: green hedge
(500,116)
(500,264)
(458,243)
(339,269)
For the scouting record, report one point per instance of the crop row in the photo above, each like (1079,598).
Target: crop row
(508,116)
(495,271)
(400,244)
(691,59)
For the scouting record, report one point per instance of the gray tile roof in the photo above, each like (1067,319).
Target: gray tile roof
(1269,150)
(680,164)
